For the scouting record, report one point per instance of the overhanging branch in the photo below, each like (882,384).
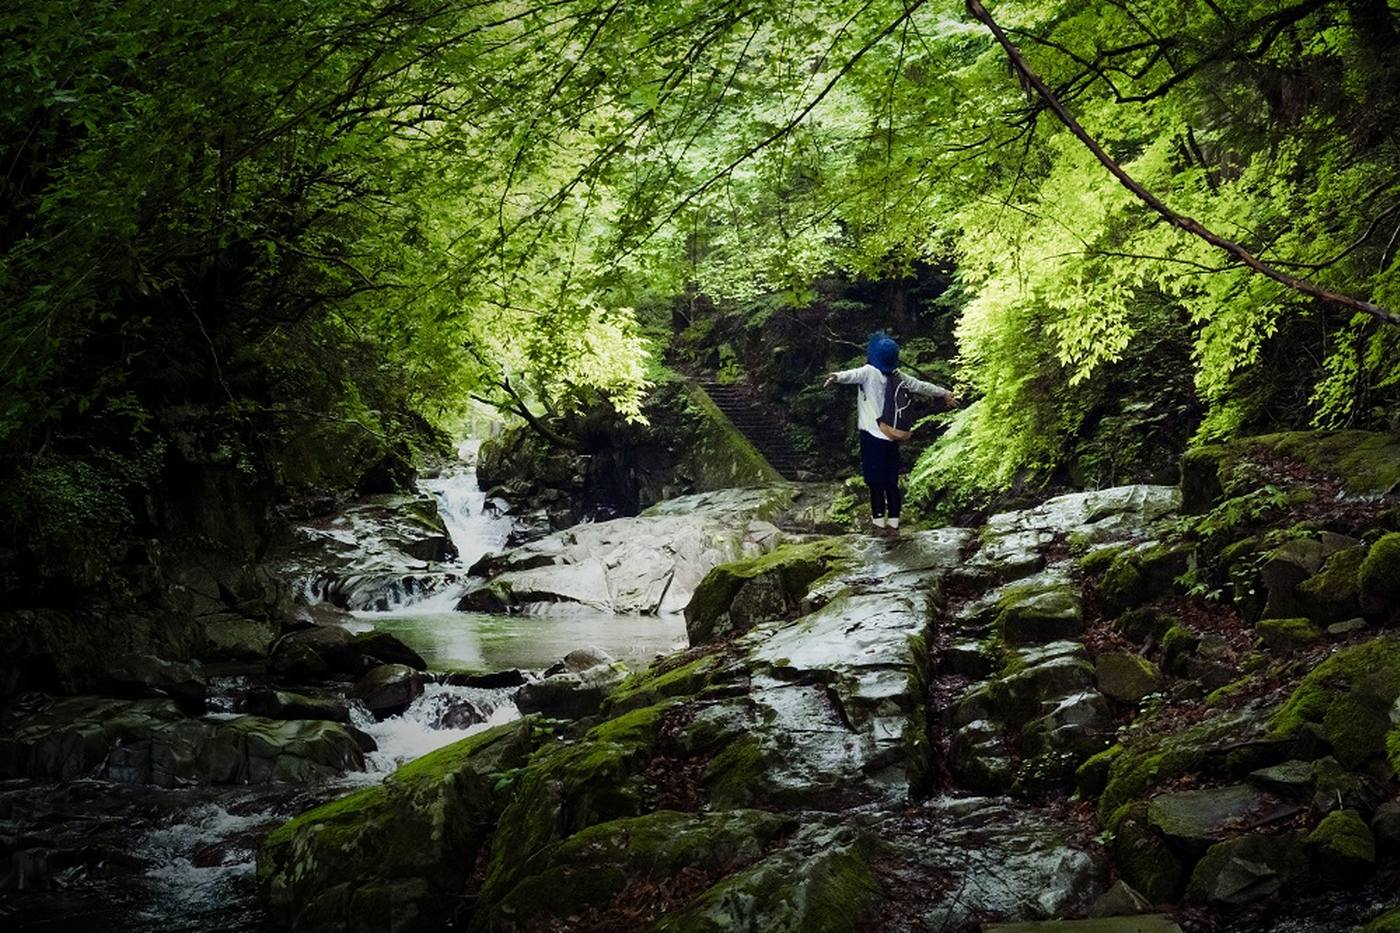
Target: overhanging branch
(1032,80)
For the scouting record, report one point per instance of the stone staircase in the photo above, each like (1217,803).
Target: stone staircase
(760,424)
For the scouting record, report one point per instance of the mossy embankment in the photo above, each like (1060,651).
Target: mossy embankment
(1218,689)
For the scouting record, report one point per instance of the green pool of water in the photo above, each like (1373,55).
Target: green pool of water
(473,641)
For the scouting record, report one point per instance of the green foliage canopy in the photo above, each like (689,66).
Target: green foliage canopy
(385,205)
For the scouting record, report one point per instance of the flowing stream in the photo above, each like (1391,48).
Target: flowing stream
(184,858)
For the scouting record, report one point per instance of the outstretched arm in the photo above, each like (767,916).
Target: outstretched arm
(919,387)
(846,376)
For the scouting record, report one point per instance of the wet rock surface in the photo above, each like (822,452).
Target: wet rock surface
(152,742)
(878,733)
(648,564)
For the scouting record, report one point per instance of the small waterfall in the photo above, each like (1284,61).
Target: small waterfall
(382,578)
(443,714)
(476,529)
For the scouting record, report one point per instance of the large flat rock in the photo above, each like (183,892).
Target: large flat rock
(644,565)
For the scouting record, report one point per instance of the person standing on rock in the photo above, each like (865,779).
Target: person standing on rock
(879,448)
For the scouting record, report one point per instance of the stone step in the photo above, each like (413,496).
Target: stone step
(759,425)
(1143,923)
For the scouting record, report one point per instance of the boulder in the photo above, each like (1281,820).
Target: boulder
(495,680)
(734,597)
(571,694)
(1333,594)
(390,856)
(1346,627)
(1347,699)
(1246,869)
(1127,678)
(1120,900)
(314,652)
(1036,617)
(283,704)
(647,564)
(662,848)
(583,659)
(388,689)
(1194,820)
(384,648)
(1145,625)
(1378,577)
(1144,859)
(373,553)
(1143,573)
(1385,826)
(1040,678)
(1292,779)
(1286,568)
(981,759)
(150,742)
(1068,730)
(1286,635)
(144,676)
(1341,847)
(447,710)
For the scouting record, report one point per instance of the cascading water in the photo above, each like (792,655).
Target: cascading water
(202,856)
(475,528)
(443,714)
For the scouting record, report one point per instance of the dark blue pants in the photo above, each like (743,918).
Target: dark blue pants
(879,464)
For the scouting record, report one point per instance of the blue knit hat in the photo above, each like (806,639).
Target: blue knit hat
(882,352)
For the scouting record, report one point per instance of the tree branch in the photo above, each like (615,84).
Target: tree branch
(1181,222)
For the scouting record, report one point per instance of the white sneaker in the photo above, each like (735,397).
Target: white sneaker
(878,522)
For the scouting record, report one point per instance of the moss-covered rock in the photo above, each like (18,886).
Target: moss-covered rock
(1333,593)
(776,582)
(566,788)
(1228,744)
(1178,644)
(397,848)
(1286,635)
(717,454)
(588,869)
(1341,847)
(1195,819)
(1143,574)
(1349,696)
(1036,615)
(1126,677)
(734,777)
(1098,560)
(662,681)
(821,882)
(1245,870)
(1144,859)
(1378,578)
(1145,624)
(1092,776)
(1365,463)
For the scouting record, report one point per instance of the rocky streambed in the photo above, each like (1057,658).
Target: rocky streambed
(138,781)
(1149,708)
(1086,709)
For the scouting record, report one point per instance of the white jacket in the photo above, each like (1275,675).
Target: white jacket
(871,401)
